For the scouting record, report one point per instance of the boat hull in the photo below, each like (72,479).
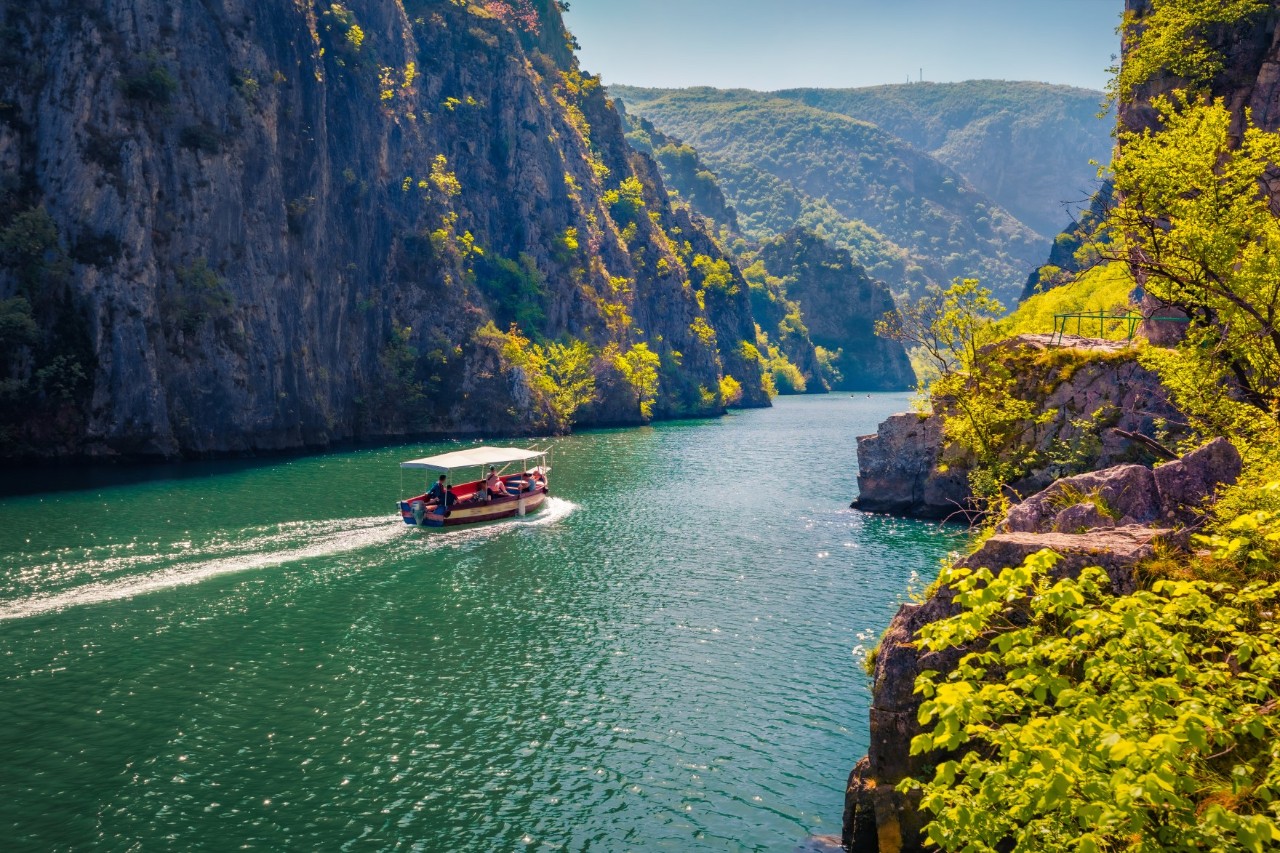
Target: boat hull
(466,512)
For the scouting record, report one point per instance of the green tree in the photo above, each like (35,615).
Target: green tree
(948,327)
(1193,220)
(1172,38)
(640,367)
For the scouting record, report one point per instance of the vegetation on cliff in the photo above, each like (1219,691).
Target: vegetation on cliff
(1025,145)
(255,226)
(1082,717)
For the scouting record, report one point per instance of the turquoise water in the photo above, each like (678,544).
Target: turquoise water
(663,658)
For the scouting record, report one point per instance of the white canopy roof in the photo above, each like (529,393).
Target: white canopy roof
(475,456)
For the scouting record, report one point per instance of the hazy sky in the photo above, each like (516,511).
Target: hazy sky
(776,45)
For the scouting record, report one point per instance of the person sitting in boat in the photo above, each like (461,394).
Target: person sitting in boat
(442,494)
(493,484)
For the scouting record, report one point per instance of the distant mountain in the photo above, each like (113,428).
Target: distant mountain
(907,217)
(1026,145)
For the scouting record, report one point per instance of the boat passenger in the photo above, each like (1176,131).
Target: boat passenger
(493,484)
(442,494)
(438,491)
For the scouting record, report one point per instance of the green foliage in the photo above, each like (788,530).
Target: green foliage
(715,275)
(517,290)
(626,202)
(31,247)
(1193,217)
(827,361)
(560,373)
(730,391)
(639,366)
(18,331)
(153,83)
(782,163)
(1092,722)
(787,378)
(1171,39)
(949,326)
(200,137)
(401,389)
(703,332)
(1104,288)
(345,20)
(199,295)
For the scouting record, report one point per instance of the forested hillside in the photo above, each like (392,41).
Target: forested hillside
(908,218)
(1026,145)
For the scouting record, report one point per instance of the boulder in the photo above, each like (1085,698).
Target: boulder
(1173,495)
(1123,492)
(898,470)
(1184,485)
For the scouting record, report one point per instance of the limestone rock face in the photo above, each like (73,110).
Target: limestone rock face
(898,470)
(283,225)
(904,469)
(840,304)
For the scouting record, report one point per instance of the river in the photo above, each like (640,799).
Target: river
(664,657)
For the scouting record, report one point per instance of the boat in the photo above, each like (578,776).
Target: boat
(471,502)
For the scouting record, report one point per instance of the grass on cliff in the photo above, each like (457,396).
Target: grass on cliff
(1103,288)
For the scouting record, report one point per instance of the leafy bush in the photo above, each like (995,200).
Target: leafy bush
(30,245)
(1091,722)
(639,365)
(730,391)
(200,137)
(517,290)
(625,202)
(199,295)
(560,373)
(153,84)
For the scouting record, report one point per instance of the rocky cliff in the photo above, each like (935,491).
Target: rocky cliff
(839,304)
(1089,399)
(240,225)
(1114,519)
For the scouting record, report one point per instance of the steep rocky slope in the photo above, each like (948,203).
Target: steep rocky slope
(809,293)
(840,304)
(239,225)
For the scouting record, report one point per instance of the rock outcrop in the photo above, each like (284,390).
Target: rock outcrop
(1090,401)
(1171,494)
(1113,519)
(840,305)
(899,471)
(245,226)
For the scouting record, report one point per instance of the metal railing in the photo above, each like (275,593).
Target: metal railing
(1128,321)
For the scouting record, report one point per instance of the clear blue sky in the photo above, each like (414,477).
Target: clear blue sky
(834,43)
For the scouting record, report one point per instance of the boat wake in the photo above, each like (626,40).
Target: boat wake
(262,548)
(553,511)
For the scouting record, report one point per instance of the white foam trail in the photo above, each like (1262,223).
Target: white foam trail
(323,539)
(359,533)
